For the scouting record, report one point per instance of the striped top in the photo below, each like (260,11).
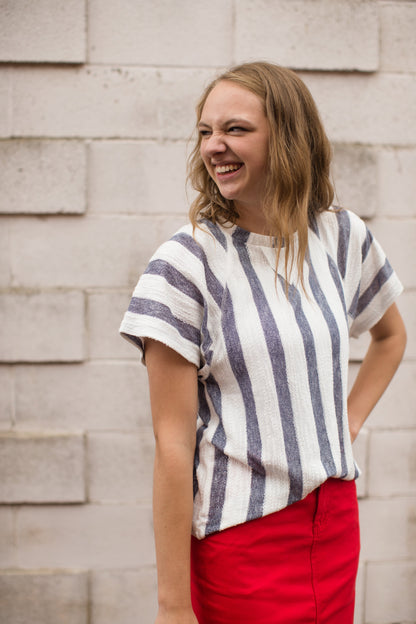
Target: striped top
(272,370)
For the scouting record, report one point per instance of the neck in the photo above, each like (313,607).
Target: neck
(251,219)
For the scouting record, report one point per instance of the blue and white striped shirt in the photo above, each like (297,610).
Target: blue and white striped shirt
(272,369)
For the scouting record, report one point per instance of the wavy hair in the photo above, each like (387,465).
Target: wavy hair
(298,182)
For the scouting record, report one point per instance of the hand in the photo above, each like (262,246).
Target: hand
(176,616)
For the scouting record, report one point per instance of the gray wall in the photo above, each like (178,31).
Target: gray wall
(96,105)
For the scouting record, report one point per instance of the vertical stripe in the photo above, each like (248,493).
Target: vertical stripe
(344,227)
(236,358)
(352,312)
(336,360)
(216,231)
(220,469)
(205,415)
(278,364)
(365,248)
(313,379)
(333,269)
(217,494)
(254,446)
(206,340)
(313,224)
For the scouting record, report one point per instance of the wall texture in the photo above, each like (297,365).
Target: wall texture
(96,105)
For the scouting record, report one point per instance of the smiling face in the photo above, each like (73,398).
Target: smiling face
(235,145)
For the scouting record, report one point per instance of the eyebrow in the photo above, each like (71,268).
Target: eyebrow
(233,120)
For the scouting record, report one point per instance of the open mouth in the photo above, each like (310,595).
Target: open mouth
(229,168)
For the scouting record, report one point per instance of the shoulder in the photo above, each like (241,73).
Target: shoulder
(188,256)
(340,222)
(341,229)
(200,241)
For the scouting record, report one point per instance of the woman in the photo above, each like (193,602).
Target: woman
(244,318)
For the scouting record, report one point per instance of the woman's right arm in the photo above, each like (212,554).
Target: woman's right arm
(174,403)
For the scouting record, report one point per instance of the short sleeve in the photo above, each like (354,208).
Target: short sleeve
(375,283)
(167,304)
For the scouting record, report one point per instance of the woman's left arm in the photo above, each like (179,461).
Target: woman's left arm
(388,341)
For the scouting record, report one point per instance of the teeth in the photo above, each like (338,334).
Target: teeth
(227,168)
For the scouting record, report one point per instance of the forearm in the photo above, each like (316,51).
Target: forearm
(173,388)
(172,510)
(376,371)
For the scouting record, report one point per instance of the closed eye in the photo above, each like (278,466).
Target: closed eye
(233,129)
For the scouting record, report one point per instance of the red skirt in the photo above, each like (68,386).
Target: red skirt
(295,566)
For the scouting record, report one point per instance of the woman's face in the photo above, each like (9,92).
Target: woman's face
(235,144)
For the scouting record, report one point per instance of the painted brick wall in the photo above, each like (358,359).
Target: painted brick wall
(96,105)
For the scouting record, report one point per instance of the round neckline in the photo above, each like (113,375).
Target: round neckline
(246,236)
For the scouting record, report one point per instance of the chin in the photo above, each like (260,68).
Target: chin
(228,194)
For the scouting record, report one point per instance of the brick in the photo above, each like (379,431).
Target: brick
(5,102)
(388,528)
(396,407)
(84,536)
(97,396)
(397,182)
(8,554)
(124,596)
(379,109)
(392,463)
(397,237)
(46,594)
(104,102)
(161,33)
(360,595)
(361,457)
(120,466)
(125,177)
(180,89)
(39,468)
(5,269)
(105,311)
(42,327)
(43,32)
(92,101)
(95,251)
(307,35)
(397,35)
(6,398)
(42,176)
(390,592)
(355,176)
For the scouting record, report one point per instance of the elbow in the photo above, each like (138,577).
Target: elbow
(173,462)
(171,450)
(400,337)
(402,342)
(390,335)
(397,344)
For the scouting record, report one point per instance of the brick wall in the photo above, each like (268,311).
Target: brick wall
(96,105)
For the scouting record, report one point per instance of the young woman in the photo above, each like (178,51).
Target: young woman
(244,318)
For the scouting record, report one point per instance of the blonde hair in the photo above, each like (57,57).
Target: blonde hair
(298,182)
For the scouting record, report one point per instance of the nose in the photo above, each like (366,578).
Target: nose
(214,144)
